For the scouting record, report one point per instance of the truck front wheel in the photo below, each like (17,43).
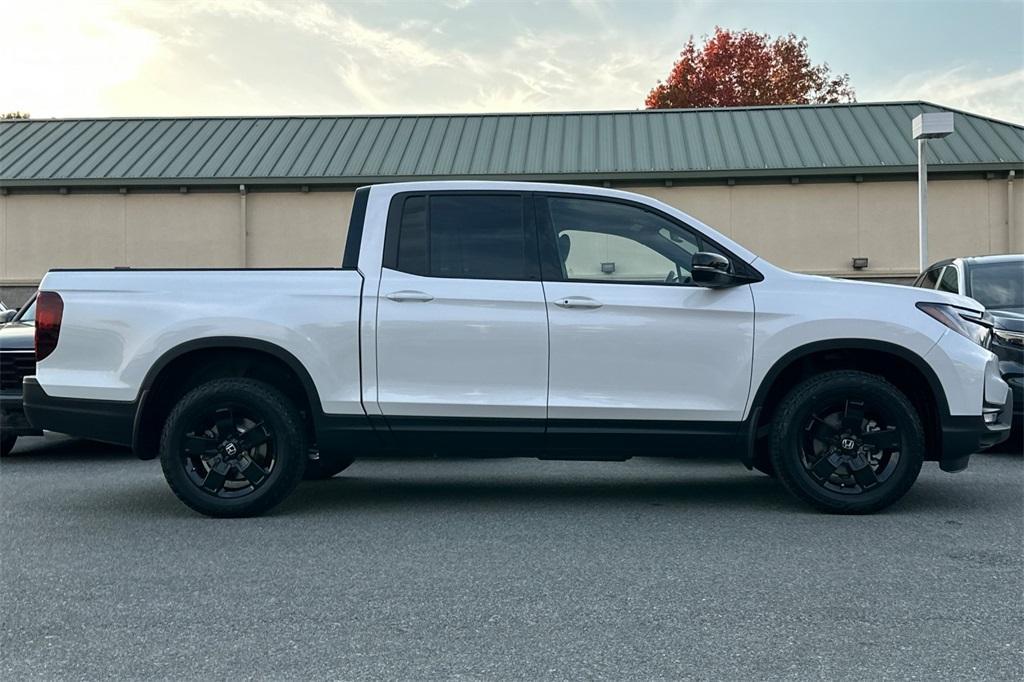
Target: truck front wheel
(847,442)
(233,447)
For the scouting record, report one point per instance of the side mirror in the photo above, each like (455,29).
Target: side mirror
(7,315)
(713,270)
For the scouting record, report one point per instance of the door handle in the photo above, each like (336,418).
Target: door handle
(402,296)
(578,302)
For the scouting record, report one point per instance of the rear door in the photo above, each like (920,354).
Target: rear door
(462,340)
(632,338)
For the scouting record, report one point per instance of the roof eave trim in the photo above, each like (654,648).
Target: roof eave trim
(936,169)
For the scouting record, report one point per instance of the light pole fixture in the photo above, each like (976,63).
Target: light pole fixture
(926,127)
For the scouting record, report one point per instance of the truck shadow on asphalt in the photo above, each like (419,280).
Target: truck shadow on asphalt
(693,484)
(445,485)
(53,448)
(422,492)
(692,491)
(448,494)
(442,497)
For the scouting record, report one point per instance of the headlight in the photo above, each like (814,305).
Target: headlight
(975,326)
(1015,339)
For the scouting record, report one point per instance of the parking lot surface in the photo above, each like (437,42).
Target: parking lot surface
(506,569)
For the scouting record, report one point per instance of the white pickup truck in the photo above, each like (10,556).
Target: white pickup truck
(501,318)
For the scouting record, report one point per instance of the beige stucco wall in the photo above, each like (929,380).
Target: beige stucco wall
(296,229)
(810,227)
(41,232)
(819,227)
(182,230)
(292,229)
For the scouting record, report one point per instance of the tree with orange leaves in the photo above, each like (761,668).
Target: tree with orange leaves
(744,68)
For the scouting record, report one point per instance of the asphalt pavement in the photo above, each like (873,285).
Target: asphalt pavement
(505,569)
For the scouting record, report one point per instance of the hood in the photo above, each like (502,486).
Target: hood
(885,291)
(1010,319)
(17,336)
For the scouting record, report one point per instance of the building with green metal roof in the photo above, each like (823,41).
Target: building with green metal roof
(809,186)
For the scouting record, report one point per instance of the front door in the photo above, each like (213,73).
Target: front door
(462,339)
(632,338)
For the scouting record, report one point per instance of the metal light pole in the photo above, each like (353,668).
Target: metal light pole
(926,127)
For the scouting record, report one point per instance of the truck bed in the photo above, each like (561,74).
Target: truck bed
(119,323)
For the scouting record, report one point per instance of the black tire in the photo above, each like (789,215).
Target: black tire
(7,444)
(265,463)
(764,465)
(847,442)
(326,466)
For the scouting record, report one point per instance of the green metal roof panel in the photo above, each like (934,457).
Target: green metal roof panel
(781,141)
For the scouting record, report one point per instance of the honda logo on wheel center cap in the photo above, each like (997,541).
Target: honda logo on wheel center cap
(848,443)
(232,450)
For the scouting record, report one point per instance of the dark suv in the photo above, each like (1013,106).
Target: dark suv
(17,360)
(996,282)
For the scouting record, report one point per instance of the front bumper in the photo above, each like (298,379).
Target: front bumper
(13,421)
(963,436)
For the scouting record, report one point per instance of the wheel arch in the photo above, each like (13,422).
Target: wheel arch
(902,367)
(212,357)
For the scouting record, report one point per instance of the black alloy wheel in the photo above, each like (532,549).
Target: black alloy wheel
(229,452)
(849,447)
(233,447)
(847,442)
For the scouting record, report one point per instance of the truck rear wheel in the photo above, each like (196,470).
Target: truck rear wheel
(847,442)
(233,447)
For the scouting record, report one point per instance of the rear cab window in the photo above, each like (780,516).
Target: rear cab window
(471,235)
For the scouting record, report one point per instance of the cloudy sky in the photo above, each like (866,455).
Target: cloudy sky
(191,57)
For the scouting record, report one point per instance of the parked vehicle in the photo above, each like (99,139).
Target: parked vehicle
(552,321)
(996,282)
(17,361)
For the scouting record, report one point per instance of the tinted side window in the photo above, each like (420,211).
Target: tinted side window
(929,278)
(470,236)
(949,281)
(412,237)
(477,237)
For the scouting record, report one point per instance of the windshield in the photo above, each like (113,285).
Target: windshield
(998,285)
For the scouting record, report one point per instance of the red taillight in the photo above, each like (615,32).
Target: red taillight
(49,312)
